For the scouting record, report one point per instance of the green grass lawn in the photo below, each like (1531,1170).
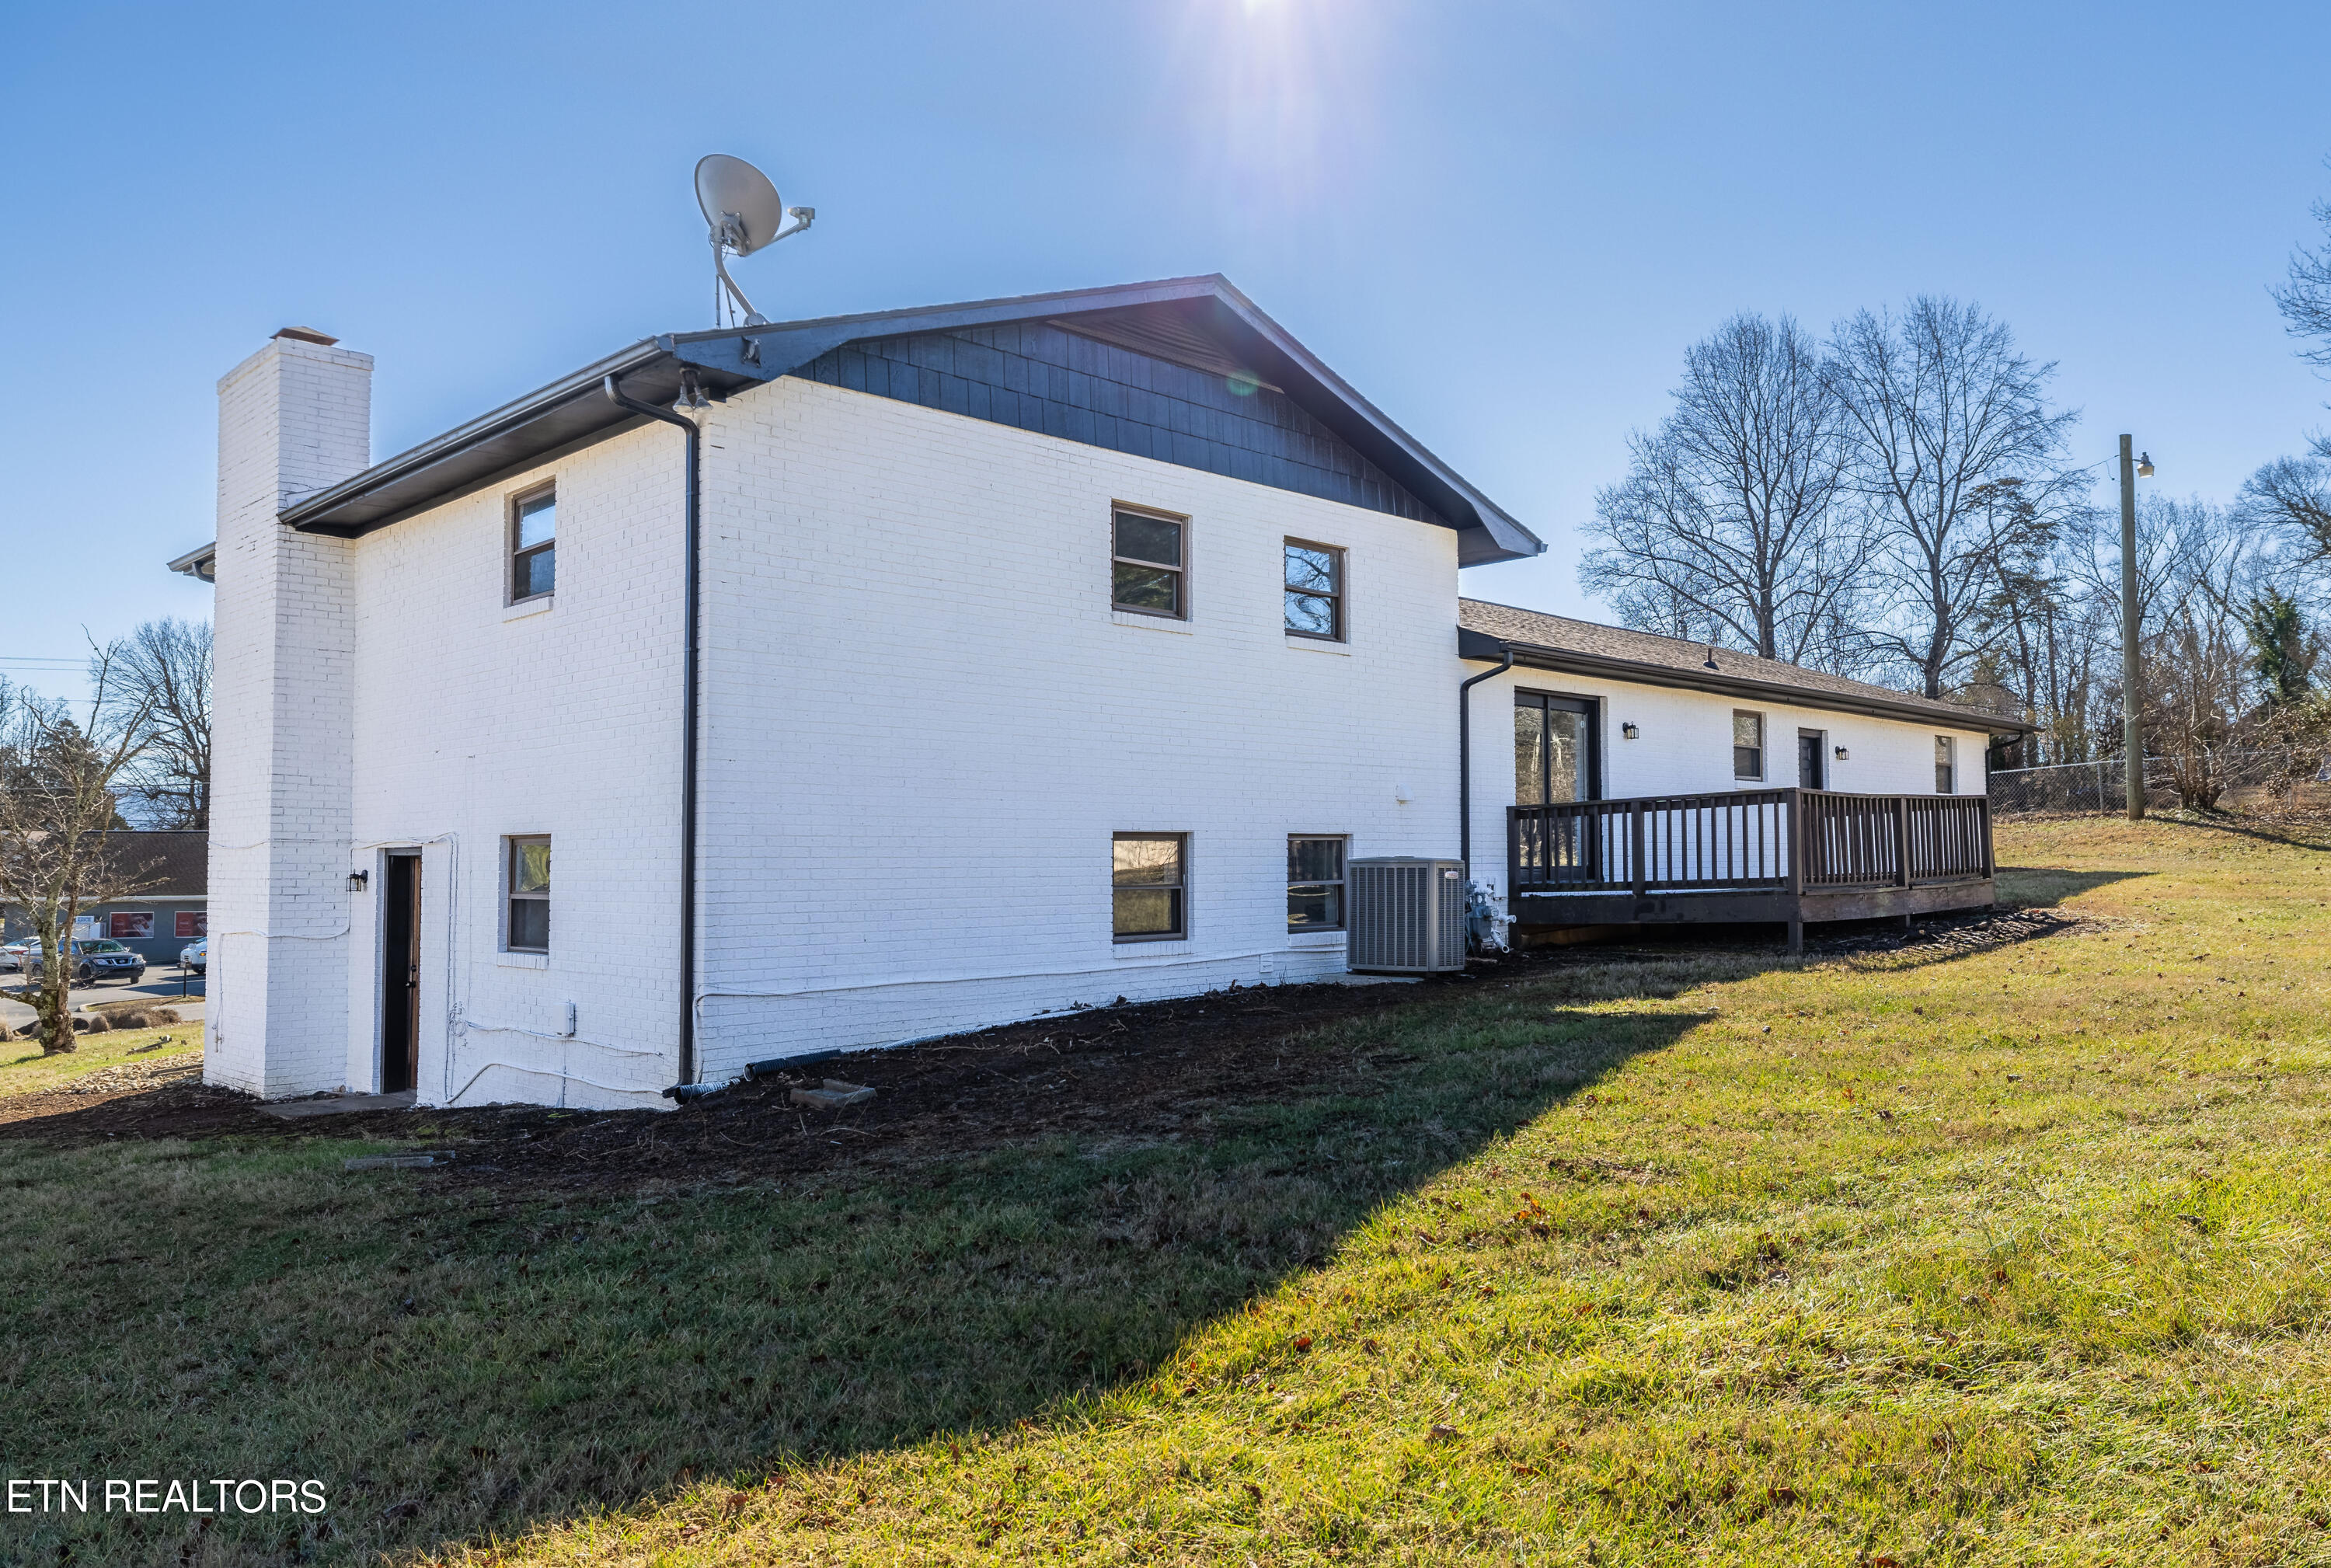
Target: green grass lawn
(24,1071)
(2015,1257)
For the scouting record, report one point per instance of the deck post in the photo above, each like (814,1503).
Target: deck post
(1901,840)
(1635,847)
(1797,854)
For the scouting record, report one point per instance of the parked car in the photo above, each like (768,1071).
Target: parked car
(16,955)
(100,959)
(195,956)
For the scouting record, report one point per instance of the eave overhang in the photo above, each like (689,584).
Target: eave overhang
(1483,647)
(572,412)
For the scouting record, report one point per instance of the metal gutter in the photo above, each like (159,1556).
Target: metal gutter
(1480,645)
(326,510)
(200,563)
(1465,762)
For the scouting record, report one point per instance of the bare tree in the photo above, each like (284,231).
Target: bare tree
(1727,525)
(1955,447)
(57,809)
(2052,637)
(164,669)
(2306,299)
(2289,499)
(2199,567)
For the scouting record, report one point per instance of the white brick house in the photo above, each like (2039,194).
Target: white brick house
(1006,703)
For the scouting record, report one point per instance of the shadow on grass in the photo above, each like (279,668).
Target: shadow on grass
(2315,837)
(458,1366)
(2044,887)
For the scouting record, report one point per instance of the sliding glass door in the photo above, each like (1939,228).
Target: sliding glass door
(1555,758)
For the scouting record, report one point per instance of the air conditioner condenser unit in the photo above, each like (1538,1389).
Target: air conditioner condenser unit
(1408,916)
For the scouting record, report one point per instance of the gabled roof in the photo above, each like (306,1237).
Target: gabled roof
(1543,641)
(1178,318)
(166,863)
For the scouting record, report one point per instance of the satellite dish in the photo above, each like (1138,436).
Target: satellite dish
(745,214)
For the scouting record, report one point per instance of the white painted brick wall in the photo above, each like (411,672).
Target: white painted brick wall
(477,720)
(292,418)
(922,725)
(925,722)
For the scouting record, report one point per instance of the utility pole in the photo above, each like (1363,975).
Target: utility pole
(2132,679)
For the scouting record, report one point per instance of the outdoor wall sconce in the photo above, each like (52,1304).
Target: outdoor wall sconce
(1629,731)
(357,880)
(1842,754)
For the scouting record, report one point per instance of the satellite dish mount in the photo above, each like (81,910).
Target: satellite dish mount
(745,214)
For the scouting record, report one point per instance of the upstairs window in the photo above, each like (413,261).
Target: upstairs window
(1315,591)
(1149,877)
(530,896)
(1315,883)
(1747,745)
(533,545)
(1946,768)
(1149,564)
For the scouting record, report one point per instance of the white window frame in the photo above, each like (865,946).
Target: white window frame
(1947,764)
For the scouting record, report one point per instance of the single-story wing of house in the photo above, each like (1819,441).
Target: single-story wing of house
(835,683)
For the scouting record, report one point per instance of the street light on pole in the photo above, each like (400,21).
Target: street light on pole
(2132,679)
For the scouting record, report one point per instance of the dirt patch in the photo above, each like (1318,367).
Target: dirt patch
(1950,934)
(1152,1073)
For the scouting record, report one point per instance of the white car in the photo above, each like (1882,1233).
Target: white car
(16,955)
(197,956)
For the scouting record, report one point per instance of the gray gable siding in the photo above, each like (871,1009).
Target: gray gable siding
(1037,378)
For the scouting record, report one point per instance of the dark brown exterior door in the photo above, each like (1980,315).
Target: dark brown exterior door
(1809,759)
(400,977)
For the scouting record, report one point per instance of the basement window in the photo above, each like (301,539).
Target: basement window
(533,545)
(1315,882)
(1748,744)
(1149,879)
(1149,564)
(528,926)
(1945,766)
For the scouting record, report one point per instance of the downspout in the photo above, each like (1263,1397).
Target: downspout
(688,680)
(1465,762)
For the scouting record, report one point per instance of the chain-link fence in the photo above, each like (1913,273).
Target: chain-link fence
(2102,785)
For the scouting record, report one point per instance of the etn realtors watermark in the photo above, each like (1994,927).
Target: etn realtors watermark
(52,1494)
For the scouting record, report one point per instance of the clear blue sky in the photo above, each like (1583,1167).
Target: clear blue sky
(1502,222)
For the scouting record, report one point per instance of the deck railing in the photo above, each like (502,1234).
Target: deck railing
(1748,840)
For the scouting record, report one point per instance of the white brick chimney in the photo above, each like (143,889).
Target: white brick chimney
(294,417)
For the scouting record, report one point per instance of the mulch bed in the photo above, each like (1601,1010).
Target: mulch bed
(1152,1072)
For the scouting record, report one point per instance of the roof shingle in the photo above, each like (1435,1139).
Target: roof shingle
(1590,648)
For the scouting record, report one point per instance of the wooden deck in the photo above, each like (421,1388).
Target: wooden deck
(1786,855)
